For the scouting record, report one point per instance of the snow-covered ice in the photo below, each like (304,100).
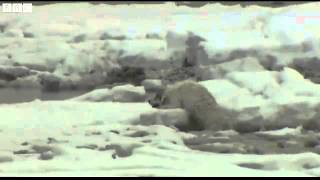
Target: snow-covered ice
(244,58)
(80,131)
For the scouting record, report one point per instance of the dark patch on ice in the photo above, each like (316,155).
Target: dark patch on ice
(41,148)
(152,36)
(93,133)
(115,131)
(51,140)
(251,165)
(24,144)
(131,75)
(107,36)
(173,142)
(46,155)
(310,166)
(23,151)
(96,133)
(139,134)
(28,35)
(215,148)
(79,38)
(114,156)
(3,27)
(89,146)
(253,143)
(147,141)
(4,159)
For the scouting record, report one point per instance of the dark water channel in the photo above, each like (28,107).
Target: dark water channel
(12,95)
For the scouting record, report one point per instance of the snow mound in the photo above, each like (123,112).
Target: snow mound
(78,138)
(124,93)
(277,99)
(247,64)
(65,113)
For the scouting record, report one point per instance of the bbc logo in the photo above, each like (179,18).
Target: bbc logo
(17,7)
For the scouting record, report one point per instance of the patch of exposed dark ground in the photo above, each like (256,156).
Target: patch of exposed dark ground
(135,75)
(254,143)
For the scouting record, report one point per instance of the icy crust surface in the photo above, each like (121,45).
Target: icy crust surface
(86,42)
(100,139)
(106,132)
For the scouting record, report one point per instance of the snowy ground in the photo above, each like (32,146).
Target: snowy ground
(98,134)
(77,135)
